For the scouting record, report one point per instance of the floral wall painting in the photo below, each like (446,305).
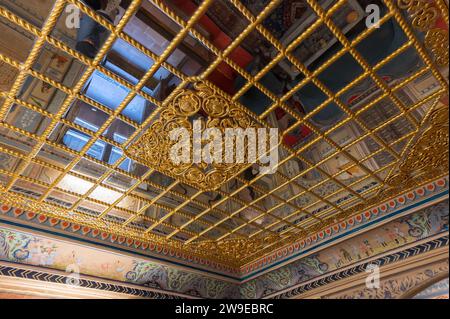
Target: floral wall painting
(41,251)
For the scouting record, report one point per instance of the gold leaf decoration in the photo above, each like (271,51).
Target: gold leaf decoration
(152,149)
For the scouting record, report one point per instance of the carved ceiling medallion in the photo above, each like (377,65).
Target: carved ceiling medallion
(153,148)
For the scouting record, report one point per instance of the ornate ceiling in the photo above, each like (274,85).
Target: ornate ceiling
(359,123)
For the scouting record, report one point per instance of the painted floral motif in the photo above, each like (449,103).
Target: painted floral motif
(163,277)
(146,273)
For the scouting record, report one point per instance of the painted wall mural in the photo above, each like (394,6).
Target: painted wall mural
(422,224)
(42,276)
(41,251)
(20,247)
(382,210)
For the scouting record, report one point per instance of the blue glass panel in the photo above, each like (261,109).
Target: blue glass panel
(75,140)
(111,94)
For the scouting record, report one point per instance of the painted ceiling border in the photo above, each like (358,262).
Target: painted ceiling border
(194,276)
(407,203)
(55,227)
(30,229)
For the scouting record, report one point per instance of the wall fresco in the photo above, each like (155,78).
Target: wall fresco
(405,230)
(41,251)
(42,277)
(382,210)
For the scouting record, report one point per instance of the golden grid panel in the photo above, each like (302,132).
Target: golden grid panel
(232,245)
